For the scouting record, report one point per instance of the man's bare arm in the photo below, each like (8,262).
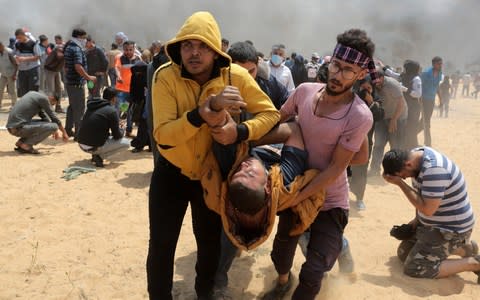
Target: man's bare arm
(361,157)
(277,135)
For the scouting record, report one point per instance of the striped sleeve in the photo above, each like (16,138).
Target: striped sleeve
(435,181)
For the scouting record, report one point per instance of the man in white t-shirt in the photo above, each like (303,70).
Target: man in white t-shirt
(278,69)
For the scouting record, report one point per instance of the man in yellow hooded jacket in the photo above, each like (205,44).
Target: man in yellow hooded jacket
(188,96)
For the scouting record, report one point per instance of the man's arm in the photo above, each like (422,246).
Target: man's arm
(80,70)
(45,105)
(361,157)
(426,206)
(104,60)
(340,160)
(169,129)
(290,85)
(14,63)
(392,127)
(118,65)
(287,133)
(257,103)
(117,133)
(77,58)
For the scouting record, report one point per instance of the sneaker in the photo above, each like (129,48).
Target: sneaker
(98,160)
(221,294)
(280,290)
(361,205)
(345,259)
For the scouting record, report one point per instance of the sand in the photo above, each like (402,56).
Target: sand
(87,238)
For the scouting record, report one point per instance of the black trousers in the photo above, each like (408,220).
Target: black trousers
(428,106)
(143,138)
(413,122)
(170,193)
(324,246)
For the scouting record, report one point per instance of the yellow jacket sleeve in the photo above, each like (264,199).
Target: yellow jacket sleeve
(171,126)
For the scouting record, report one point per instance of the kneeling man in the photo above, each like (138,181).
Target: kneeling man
(445,216)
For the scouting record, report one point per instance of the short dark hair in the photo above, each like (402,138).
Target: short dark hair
(322,73)
(394,160)
(225,41)
(109,93)
(249,42)
(243,52)
(42,38)
(58,37)
(357,39)
(127,43)
(436,59)
(246,200)
(77,32)
(114,46)
(19,31)
(89,38)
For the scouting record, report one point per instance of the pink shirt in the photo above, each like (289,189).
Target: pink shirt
(321,135)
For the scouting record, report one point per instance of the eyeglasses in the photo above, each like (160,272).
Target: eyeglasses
(201,48)
(334,68)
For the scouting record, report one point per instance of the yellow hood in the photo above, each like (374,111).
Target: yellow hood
(199,26)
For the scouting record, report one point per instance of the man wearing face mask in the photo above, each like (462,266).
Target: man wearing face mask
(278,69)
(75,77)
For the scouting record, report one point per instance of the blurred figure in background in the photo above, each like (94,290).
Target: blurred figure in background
(8,71)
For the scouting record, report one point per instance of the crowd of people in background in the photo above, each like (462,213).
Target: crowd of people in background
(159,92)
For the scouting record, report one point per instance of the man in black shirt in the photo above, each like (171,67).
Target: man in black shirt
(98,122)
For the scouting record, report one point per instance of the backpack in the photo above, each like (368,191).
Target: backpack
(55,60)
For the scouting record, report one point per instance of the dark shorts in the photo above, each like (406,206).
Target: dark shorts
(432,246)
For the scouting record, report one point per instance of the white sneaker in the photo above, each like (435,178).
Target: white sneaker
(361,205)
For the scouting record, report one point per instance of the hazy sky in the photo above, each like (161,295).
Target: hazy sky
(415,29)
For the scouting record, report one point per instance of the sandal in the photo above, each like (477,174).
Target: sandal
(24,151)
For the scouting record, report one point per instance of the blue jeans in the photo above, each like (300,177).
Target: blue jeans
(382,136)
(124,97)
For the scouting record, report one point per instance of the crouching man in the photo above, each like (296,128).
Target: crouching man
(445,216)
(21,122)
(98,122)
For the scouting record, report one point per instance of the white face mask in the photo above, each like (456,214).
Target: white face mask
(81,42)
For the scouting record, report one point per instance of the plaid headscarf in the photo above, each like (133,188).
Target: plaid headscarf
(356,57)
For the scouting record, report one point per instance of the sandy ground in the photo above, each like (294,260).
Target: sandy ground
(87,238)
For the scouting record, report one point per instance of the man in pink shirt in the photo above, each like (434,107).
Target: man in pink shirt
(334,123)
